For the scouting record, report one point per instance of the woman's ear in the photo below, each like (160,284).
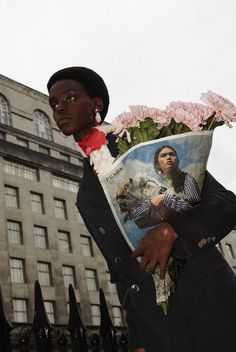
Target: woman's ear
(157,168)
(98,103)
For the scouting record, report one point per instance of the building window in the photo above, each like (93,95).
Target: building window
(60,208)
(37,205)
(229,250)
(17,270)
(44,150)
(68,275)
(65,157)
(64,241)
(44,274)
(65,183)
(117,317)
(40,237)
(91,279)
(11,197)
(20,313)
(4,111)
(21,170)
(14,231)
(111,287)
(96,315)
(50,310)
(86,245)
(42,125)
(23,142)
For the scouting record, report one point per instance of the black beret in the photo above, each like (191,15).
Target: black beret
(90,80)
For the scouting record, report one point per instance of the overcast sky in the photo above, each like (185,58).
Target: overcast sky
(149,52)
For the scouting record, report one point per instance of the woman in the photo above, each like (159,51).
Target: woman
(181,191)
(202,311)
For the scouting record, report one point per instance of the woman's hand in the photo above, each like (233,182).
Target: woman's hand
(155,247)
(157,200)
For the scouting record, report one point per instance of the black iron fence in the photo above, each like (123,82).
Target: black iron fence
(42,337)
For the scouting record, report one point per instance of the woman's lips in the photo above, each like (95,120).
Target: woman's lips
(63,121)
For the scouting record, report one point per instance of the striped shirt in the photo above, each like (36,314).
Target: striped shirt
(190,196)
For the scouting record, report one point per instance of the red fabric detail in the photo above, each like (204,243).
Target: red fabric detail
(93,141)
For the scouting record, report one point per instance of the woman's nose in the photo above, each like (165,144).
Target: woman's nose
(61,106)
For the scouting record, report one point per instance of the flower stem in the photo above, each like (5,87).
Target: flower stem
(212,121)
(164,306)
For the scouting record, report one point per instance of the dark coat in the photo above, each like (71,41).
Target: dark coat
(202,312)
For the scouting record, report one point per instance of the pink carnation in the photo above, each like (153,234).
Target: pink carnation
(158,116)
(225,110)
(124,121)
(192,115)
(142,111)
(161,118)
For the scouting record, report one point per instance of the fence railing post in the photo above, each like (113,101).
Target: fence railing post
(75,325)
(5,327)
(41,325)
(23,340)
(62,341)
(123,343)
(107,330)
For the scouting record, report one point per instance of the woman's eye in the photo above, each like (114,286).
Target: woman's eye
(70,98)
(53,106)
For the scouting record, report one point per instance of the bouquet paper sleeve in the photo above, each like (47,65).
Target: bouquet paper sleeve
(134,179)
(131,181)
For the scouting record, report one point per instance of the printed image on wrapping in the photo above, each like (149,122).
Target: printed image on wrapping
(155,180)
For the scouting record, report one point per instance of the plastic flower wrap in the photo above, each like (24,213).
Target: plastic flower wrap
(160,169)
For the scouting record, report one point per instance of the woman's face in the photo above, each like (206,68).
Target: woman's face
(73,109)
(167,160)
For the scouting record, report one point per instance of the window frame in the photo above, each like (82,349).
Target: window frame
(5,120)
(42,125)
(66,276)
(20,311)
(16,197)
(93,279)
(62,201)
(20,232)
(17,271)
(89,245)
(49,276)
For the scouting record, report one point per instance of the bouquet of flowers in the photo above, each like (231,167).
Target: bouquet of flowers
(160,169)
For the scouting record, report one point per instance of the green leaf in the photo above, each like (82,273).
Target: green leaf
(164,306)
(122,145)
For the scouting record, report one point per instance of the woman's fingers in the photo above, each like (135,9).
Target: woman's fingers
(144,264)
(152,266)
(137,252)
(163,265)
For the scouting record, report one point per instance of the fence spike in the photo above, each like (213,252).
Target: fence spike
(107,329)
(41,325)
(75,325)
(5,326)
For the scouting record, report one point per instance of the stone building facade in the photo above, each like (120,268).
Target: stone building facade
(42,234)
